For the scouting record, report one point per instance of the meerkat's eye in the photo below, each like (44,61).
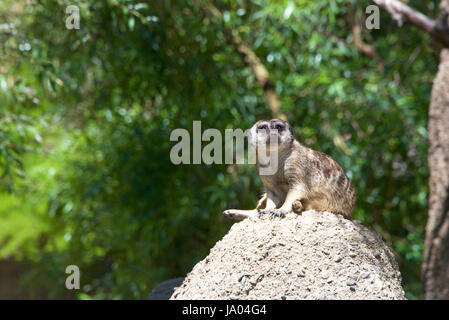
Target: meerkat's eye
(262,127)
(279,126)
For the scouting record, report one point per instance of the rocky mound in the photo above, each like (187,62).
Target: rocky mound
(316,255)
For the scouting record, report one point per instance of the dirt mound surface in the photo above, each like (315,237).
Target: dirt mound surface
(316,255)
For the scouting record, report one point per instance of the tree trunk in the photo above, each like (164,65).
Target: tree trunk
(436,257)
(435,267)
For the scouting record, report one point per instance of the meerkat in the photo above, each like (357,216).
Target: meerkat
(305,179)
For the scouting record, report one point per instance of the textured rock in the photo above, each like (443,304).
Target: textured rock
(316,255)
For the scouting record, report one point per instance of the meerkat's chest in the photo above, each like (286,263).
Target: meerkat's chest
(276,183)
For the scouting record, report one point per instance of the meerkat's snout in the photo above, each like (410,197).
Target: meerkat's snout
(270,133)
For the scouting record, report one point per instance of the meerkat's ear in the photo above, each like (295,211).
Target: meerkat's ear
(290,128)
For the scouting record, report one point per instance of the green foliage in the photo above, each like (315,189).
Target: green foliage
(100,191)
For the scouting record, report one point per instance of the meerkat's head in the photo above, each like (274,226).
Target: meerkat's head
(263,132)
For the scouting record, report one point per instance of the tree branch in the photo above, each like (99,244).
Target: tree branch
(362,47)
(258,68)
(401,12)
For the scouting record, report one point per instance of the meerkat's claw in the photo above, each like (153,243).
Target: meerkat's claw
(279,213)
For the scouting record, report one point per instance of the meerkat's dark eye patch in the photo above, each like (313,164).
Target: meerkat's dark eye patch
(279,126)
(262,126)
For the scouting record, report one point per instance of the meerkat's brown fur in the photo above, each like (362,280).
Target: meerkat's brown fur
(305,179)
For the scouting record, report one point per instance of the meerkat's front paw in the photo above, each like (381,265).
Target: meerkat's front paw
(279,213)
(272,213)
(297,206)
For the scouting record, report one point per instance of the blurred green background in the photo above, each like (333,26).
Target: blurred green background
(86,116)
